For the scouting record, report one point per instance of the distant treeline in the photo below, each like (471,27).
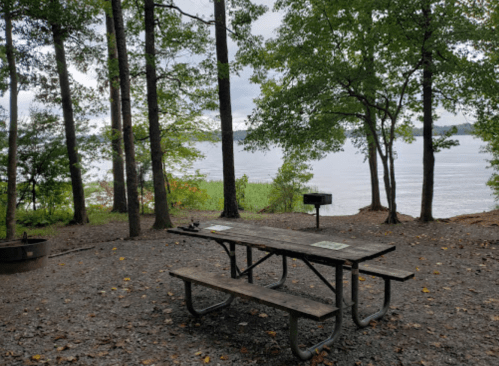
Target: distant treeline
(462,129)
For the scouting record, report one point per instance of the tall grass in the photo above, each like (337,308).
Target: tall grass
(256,196)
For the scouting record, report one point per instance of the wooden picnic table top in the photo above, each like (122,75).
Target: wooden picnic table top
(315,247)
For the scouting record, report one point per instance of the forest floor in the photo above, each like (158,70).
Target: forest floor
(115,304)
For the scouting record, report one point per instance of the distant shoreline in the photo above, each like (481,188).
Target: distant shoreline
(462,129)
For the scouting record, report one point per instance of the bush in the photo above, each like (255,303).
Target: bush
(186,192)
(289,185)
(241,184)
(42,218)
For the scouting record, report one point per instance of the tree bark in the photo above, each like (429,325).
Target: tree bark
(10,220)
(162,216)
(230,201)
(428,153)
(126,110)
(119,194)
(373,169)
(80,213)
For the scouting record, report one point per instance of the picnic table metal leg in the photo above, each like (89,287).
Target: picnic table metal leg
(249,262)
(362,323)
(293,324)
(209,309)
(283,276)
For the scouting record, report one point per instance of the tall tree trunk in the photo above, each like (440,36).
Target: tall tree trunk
(126,110)
(33,194)
(428,153)
(119,194)
(12,159)
(373,169)
(230,201)
(162,216)
(368,48)
(80,212)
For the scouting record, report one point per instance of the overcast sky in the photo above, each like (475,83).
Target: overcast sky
(242,91)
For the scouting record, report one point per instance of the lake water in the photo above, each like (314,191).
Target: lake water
(460,176)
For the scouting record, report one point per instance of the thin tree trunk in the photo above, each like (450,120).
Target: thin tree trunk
(392,213)
(10,220)
(373,169)
(126,109)
(369,86)
(119,194)
(428,154)
(33,194)
(161,214)
(80,213)
(230,201)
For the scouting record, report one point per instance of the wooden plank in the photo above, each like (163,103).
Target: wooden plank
(291,243)
(383,272)
(290,303)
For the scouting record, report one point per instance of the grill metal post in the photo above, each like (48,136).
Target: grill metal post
(317,206)
(317,199)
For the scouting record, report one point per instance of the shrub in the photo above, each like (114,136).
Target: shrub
(42,218)
(241,184)
(289,185)
(186,192)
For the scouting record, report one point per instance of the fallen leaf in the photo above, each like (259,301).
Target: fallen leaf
(36,357)
(263,315)
(436,272)
(122,259)
(115,248)
(271,333)
(206,359)
(224,357)
(444,248)
(113,288)
(361,278)
(170,293)
(61,264)
(147,362)
(425,290)
(126,279)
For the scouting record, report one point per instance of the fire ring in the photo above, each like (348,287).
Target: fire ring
(23,255)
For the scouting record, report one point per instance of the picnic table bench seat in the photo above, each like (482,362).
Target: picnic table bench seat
(299,306)
(383,272)
(388,274)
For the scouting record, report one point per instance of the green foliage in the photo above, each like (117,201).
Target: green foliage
(42,218)
(241,184)
(289,185)
(444,141)
(487,128)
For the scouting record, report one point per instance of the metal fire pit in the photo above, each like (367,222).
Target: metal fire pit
(317,199)
(23,255)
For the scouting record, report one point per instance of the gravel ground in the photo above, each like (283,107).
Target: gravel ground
(115,304)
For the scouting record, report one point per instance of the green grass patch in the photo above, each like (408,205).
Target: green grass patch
(255,195)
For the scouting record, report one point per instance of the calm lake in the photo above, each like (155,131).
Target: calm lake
(460,176)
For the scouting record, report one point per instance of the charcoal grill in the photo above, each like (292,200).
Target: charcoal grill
(317,199)
(23,255)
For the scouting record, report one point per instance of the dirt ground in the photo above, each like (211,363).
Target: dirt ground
(114,303)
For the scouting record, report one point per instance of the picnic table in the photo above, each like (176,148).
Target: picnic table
(333,251)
